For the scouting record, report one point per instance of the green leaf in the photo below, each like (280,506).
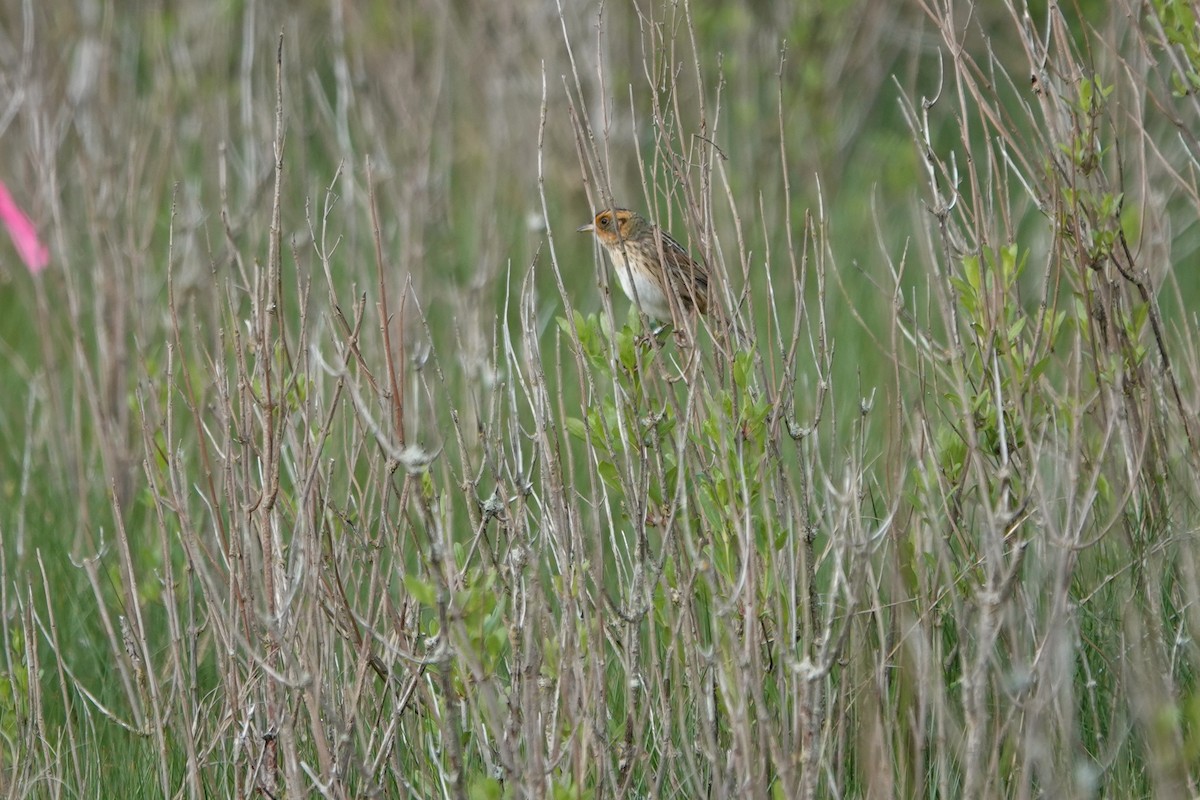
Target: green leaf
(742,366)
(1140,313)
(1014,330)
(577,428)
(1085,96)
(422,591)
(485,789)
(608,473)
(626,349)
(973,273)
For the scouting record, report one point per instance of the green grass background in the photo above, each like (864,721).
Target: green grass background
(140,137)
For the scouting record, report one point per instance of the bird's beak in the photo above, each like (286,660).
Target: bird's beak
(585,228)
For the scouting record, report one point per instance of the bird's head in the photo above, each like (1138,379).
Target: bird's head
(615,225)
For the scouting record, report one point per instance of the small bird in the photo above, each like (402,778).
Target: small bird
(650,264)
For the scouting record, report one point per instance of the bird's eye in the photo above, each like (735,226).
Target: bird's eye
(605,220)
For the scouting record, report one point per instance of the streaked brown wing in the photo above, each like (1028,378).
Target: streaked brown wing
(688,276)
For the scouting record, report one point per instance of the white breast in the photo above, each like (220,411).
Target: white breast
(651,297)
